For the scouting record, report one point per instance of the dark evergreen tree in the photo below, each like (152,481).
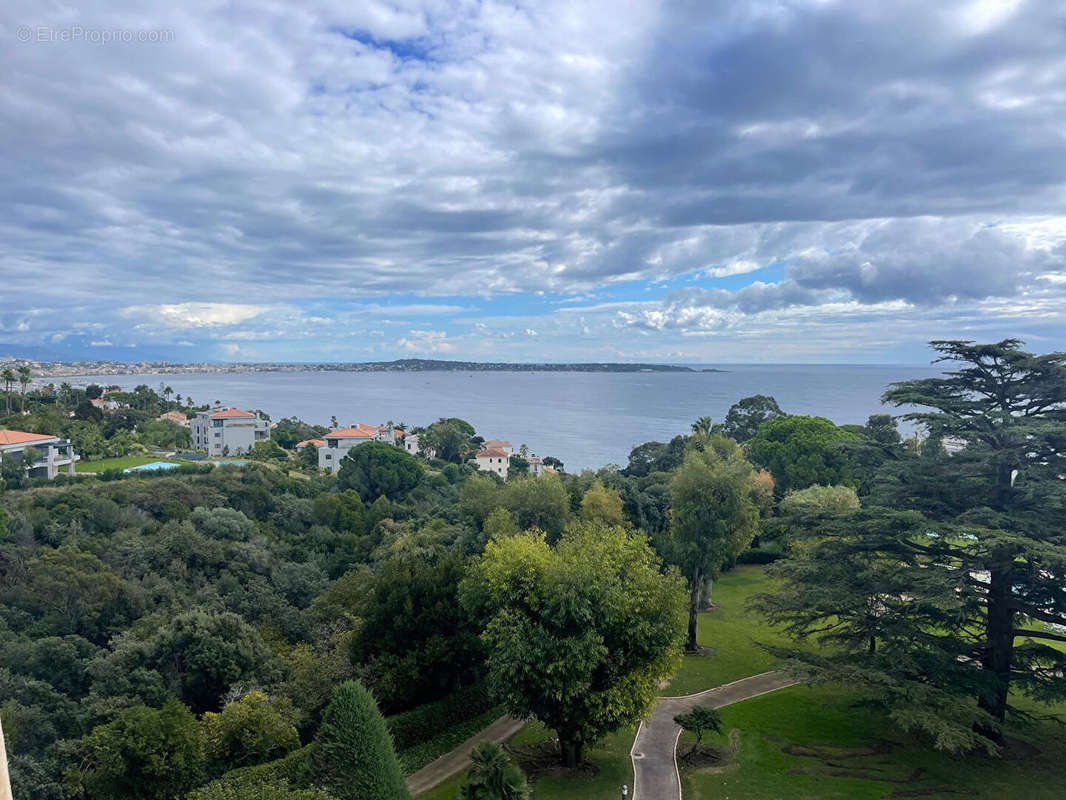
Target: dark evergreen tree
(379,469)
(354,756)
(938,596)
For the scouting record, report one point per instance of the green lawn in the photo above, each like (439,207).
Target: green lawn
(118,463)
(826,718)
(732,631)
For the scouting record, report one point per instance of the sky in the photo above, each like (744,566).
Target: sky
(695,182)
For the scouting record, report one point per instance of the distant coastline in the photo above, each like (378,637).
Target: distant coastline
(59,369)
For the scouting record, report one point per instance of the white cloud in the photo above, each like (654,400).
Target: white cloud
(196,315)
(426,342)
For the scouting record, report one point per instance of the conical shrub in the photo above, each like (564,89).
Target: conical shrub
(354,756)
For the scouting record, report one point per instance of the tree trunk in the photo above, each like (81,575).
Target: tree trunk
(706,585)
(693,613)
(999,645)
(571,752)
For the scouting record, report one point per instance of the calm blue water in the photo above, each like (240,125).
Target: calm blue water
(585,419)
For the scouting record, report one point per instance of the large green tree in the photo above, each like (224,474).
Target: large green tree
(144,754)
(744,417)
(354,756)
(948,591)
(415,637)
(713,516)
(451,439)
(379,469)
(541,502)
(578,636)
(801,451)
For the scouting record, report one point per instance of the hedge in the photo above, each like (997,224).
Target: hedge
(428,721)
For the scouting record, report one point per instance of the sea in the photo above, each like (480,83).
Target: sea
(585,419)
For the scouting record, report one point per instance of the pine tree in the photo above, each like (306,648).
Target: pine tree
(938,594)
(354,755)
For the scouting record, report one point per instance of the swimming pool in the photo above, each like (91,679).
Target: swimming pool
(152,466)
(232,462)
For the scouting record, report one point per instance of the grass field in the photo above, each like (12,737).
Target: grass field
(815,743)
(732,631)
(117,463)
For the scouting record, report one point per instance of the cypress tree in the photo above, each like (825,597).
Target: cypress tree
(354,755)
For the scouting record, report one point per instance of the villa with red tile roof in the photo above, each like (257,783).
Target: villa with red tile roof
(340,441)
(227,431)
(53,454)
(493,459)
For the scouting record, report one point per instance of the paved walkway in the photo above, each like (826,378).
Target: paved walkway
(654,752)
(455,761)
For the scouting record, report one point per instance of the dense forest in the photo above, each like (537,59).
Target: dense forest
(220,632)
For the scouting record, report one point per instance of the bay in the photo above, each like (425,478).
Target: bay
(586,419)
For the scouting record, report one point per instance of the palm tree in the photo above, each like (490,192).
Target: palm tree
(703,425)
(24,381)
(493,776)
(64,394)
(177,399)
(167,392)
(8,376)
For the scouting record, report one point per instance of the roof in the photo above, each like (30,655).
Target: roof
(21,437)
(174,415)
(491,453)
(230,413)
(305,442)
(360,431)
(497,443)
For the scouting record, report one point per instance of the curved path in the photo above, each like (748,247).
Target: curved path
(458,759)
(654,752)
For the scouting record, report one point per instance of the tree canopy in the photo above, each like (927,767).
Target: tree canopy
(713,516)
(379,469)
(578,636)
(801,451)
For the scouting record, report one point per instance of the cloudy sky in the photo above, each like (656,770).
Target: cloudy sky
(763,181)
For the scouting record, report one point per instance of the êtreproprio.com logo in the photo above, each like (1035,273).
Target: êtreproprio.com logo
(78,33)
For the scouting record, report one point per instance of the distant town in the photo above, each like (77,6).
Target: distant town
(61,369)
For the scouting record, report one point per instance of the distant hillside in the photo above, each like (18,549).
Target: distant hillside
(439,365)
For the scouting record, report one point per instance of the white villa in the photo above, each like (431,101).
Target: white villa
(227,431)
(493,459)
(498,444)
(537,465)
(53,454)
(339,442)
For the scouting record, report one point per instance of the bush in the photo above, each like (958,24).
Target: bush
(296,769)
(280,790)
(426,722)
